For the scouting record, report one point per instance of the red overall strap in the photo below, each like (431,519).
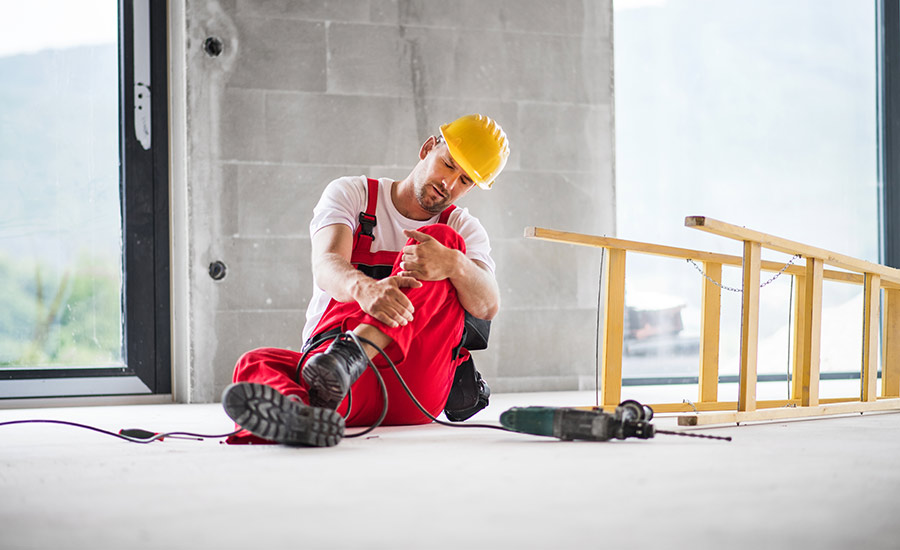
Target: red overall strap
(362,239)
(376,264)
(445,215)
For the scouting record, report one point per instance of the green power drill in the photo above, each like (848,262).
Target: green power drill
(630,419)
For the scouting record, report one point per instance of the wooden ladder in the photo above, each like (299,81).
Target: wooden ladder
(804,401)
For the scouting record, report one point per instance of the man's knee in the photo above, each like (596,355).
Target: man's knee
(445,235)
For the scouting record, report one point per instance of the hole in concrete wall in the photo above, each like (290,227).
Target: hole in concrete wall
(213,46)
(217,270)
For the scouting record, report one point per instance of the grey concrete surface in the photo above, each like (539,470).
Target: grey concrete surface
(825,484)
(305,92)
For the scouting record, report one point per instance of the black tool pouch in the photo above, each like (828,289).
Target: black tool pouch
(469,393)
(475,333)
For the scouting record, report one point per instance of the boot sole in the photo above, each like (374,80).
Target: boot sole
(265,412)
(327,383)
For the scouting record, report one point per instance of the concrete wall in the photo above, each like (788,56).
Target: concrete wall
(306,91)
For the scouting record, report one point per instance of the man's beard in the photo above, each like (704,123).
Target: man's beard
(423,198)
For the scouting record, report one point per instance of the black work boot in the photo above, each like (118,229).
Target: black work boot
(264,411)
(330,374)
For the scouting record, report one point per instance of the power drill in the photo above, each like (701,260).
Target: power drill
(630,419)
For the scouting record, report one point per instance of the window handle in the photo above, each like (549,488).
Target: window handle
(141,32)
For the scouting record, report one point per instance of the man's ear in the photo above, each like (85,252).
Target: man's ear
(427,147)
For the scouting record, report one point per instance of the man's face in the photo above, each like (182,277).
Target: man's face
(441,181)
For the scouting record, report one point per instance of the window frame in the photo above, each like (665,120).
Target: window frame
(889,135)
(144,193)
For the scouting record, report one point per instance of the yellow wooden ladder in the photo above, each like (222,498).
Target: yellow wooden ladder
(804,401)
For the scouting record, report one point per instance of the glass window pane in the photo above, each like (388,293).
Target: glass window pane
(60,231)
(757,113)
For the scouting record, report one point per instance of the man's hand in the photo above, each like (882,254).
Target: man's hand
(428,260)
(331,250)
(385,301)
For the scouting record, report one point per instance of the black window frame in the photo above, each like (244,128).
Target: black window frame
(144,193)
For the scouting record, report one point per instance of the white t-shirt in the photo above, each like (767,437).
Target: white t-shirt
(343,200)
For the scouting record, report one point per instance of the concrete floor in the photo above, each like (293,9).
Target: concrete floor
(826,483)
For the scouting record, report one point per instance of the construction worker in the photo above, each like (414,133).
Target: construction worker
(396,265)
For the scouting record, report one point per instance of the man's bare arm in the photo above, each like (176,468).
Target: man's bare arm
(331,249)
(477,289)
(475,285)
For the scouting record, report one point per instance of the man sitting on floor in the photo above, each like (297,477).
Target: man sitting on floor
(396,264)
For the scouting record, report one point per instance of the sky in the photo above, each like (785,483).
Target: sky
(34,25)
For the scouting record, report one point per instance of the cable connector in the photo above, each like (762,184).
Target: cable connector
(138,433)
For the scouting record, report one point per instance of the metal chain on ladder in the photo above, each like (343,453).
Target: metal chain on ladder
(732,289)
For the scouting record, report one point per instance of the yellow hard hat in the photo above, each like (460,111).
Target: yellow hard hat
(478,144)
